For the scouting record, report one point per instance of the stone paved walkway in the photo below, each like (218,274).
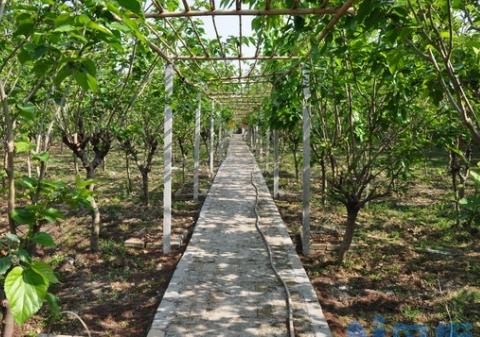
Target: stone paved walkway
(224,285)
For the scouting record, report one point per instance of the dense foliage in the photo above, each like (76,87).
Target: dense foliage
(392,80)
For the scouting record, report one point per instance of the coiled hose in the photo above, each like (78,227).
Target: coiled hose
(288,299)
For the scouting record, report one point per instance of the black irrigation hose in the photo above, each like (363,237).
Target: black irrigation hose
(291,330)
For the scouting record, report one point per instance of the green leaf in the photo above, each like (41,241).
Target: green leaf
(5,264)
(79,37)
(27,111)
(24,256)
(52,215)
(119,26)
(45,271)
(89,66)
(86,80)
(23,215)
(42,67)
(81,183)
(132,25)
(132,5)
(12,237)
(475,177)
(63,19)
(66,28)
(43,239)
(53,305)
(24,27)
(25,290)
(92,82)
(100,28)
(41,157)
(82,19)
(27,183)
(65,71)
(22,146)
(445,34)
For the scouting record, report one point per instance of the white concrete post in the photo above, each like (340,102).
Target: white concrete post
(267,150)
(260,145)
(306,164)
(250,134)
(276,164)
(167,161)
(258,140)
(212,137)
(220,140)
(196,150)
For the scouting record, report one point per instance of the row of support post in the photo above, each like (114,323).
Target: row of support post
(168,155)
(168,136)
(306,189)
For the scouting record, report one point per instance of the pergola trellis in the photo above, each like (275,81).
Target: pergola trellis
(244,102)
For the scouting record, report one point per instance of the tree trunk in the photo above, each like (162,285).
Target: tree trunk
(146,197)
(10,137)
(95,228)
(75,163)
(454,169)
(352,213)
(184,164)
(129,179)
(295,160)
(8,323)
(324,179)
(464,171)
(29,165)
(4,181)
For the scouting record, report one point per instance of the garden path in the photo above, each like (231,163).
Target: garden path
(224,284)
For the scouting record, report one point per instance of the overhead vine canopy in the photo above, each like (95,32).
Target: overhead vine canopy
(178,36)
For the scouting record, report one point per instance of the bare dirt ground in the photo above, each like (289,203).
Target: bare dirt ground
(117,290)
(409,263)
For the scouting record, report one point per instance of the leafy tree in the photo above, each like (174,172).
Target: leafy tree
(140,127)
(371,124)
